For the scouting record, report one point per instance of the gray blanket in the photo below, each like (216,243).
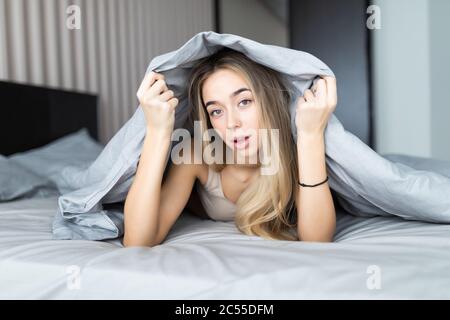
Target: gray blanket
(364,182)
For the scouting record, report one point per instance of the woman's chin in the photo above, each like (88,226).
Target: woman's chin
(247,156)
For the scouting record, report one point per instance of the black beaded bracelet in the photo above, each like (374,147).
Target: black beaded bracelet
(314,185)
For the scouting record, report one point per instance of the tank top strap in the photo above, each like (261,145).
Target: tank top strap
(211,195)
(213,184)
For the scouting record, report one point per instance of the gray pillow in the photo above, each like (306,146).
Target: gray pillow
(17,182)
(71,153)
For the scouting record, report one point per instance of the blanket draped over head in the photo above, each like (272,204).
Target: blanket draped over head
(364,182)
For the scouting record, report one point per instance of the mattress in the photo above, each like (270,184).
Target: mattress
(370,258)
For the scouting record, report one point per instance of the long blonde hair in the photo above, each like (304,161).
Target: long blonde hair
(266,207)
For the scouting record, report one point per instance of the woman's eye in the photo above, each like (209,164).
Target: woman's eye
(212,112)
(248,101)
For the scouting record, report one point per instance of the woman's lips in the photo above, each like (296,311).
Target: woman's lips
(241,143)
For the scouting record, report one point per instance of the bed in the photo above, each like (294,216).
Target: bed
(370,258)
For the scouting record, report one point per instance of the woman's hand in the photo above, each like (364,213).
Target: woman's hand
(315,107)
(158,103)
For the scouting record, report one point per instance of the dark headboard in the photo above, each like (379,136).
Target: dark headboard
(32,116)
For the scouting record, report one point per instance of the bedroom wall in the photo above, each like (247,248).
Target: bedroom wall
(336,33)
(411,67)
(108,55)
(440,82)
(253,19)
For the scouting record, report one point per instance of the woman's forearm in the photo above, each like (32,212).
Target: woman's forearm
(143,200)
(315,211)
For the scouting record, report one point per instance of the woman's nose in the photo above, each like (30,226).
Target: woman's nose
(233,120)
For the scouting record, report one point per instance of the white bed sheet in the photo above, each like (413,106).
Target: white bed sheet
(371,258)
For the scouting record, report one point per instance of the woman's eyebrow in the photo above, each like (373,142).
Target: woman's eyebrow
(231,95)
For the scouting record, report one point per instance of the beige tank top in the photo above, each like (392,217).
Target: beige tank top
(217,206)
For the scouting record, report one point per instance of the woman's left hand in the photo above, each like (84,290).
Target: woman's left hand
(315,107)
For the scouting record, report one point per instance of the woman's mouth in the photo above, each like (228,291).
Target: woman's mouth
(241,142)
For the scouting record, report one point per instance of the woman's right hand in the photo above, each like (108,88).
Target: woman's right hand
(157,102)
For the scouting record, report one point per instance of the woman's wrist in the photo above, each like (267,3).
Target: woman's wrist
(306,138)
(158,133)
(311,157)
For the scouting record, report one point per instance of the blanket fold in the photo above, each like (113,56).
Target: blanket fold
(366,184)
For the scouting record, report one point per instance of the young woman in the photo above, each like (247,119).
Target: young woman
(235,96)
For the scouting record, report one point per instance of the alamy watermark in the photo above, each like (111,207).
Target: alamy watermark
(74,277)
(73,20)
(374,20)
(262,147)
(373,282)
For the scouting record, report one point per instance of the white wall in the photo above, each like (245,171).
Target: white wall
(440,78)
(251,19)
(411,94)
(108,55)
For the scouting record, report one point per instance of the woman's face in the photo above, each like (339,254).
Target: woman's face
(232,110)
